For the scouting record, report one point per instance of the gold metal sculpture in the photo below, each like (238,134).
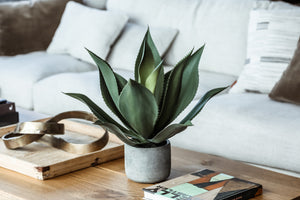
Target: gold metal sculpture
(28,132)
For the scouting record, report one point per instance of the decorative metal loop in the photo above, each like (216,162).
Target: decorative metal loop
(28,132)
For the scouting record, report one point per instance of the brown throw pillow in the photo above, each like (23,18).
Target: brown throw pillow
(288,87)
(28,26)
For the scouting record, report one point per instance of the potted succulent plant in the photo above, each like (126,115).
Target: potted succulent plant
(146,107)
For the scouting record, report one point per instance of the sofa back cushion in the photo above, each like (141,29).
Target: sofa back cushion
(124,53)
(83,27)
(221,24)
(28,26)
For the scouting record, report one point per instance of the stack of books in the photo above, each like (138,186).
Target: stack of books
(8,114)
(203,185)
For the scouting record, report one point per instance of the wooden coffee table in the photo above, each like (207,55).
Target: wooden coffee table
(108,180)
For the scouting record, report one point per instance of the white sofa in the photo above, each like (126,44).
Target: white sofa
(248,127)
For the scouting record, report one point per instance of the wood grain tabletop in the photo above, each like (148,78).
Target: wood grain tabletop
(108,180)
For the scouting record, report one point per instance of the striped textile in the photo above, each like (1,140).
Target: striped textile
(272,40)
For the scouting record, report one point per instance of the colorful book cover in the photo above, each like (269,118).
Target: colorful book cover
(203,185)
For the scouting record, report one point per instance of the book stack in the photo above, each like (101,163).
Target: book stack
(8,114)
(203,185)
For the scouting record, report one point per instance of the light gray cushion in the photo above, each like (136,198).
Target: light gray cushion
(209,80)
(222,26)
(88,83)
(247,127)
(19,73)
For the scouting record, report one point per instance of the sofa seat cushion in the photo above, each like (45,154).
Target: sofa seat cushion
(88,83)
(19,73)
(247,127)
(209,80)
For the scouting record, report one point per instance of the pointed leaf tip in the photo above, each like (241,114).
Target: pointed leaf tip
(148,58)
(201,103)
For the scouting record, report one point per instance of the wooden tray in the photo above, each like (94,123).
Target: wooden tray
(42,162)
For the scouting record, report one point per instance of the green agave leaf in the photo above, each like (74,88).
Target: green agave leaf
(152,78)
(189,82)
(188,123)
(147,66)
(169,132)
(109,102)
(181,88)
(98,112)
(110,84)
(171,93)
(115,130)
(166,78)
(201,103)
(150,43)
(139,60)
(108,78)
(155,82)
(120,81)
(147,60)
(138,105)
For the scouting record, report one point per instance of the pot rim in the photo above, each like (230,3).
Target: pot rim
(165,143)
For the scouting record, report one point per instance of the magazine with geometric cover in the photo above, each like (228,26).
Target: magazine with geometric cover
(203,185)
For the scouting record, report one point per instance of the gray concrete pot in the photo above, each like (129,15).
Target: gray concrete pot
(148,165)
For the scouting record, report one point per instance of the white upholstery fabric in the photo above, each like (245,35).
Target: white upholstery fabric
(19,73)
(88,83)
(272,40)
(28,115)
(83,27)
(210,80)
(222,25)
(124,53)
(247,127)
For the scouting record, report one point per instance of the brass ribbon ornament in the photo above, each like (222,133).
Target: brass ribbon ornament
(28,132)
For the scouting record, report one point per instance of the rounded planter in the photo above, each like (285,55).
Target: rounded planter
(148,165)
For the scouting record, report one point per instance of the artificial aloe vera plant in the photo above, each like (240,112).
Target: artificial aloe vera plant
(147,105)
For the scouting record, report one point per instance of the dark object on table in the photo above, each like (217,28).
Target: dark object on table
(3,101)
(8,114)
